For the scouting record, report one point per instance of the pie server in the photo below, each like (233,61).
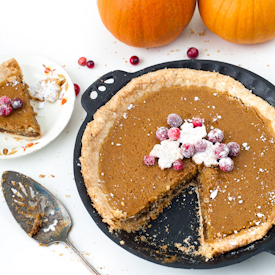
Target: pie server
(180,217)
(39,213)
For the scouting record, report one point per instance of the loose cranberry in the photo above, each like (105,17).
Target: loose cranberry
(162,133)
(76,89)
(192,52)
(215,135)
(134,60)
(174,120)
(82,61)
(226,164)
(201,145)
(234,149)
(188,150)
(149,160)
(221,151)
(197,122)
(90,64)
(177,165)
(17,103)
(4,100)
(5,110)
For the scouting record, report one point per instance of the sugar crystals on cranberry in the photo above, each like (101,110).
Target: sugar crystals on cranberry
(149,160)
(17,103)
(162,133)
(174,120)
(215,135)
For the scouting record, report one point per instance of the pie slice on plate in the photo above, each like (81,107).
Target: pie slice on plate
(21,123)
(236,207)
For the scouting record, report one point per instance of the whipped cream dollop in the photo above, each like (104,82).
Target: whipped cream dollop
(167,152)
(45,90)
(208,157)
(191,134)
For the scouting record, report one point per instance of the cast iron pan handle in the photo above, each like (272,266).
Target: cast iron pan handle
(103,89)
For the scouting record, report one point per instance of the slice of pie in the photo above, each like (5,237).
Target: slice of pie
(21,122)
(236,207)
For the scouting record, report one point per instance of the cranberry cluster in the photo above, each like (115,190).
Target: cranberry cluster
(7,105)
(223,152)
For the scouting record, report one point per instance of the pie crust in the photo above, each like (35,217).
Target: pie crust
(20,123)
(106,118)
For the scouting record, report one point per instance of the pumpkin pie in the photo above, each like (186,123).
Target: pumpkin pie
(21,122)
(236,207)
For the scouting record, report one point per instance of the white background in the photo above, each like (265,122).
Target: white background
(63,31)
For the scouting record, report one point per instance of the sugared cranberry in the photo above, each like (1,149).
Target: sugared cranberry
(174,120)
(149,160)
(188,150)
(17,103)
(76,89)
(5,110)
(90,64)
(226,164)
(197,122)
(221,151)
(234,149)
(174,133)
(4,100)
(177,165)
(201,145)
(162,133)
(82,61)
(192,52)
(134,60)
(215,135)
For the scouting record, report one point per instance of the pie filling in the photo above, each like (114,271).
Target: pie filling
(232,203)
(248,189)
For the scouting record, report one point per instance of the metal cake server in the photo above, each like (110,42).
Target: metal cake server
(39,213)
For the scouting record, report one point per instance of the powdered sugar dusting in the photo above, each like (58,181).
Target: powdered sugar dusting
(214,194)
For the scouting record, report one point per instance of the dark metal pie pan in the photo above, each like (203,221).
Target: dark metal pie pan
(179,221)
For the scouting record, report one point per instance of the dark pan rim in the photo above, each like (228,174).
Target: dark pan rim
(250,80)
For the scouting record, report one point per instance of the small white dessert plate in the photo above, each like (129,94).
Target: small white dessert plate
(52,117)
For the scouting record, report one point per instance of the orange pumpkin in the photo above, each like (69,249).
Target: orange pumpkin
(146,23)
(240,21)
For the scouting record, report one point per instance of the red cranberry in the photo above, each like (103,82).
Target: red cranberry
(134,60)
(221,151)
(215,135)
(187,150)
(17,103)
(192,52)
(174,133)
(4,100)
(234,149)
(177,165)
(5,110)
(90,64)
(76,89)
(174,120)
(197,122)
(201,145)
(149,160)
(226,164)
(82,61)
(162,133)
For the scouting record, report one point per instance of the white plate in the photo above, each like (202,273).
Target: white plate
(53,118)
